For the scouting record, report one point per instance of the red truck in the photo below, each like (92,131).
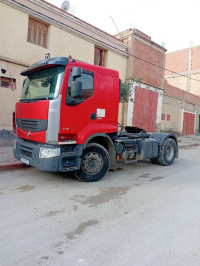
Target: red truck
(67,120)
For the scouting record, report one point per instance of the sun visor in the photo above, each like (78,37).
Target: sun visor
(63,61)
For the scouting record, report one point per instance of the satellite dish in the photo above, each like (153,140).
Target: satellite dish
(65,6)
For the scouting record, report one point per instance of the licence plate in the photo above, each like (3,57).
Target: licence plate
(24,161)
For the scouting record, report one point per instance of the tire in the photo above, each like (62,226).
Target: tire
(168,154)
(154,160)
(95,163)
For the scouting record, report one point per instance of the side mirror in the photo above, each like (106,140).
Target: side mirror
(76,89)
(76,72)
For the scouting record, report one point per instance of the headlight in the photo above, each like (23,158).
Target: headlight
(49,153)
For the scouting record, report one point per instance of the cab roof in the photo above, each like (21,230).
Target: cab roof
(63,61)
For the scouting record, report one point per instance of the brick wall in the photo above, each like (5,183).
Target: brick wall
(195,85)
(195,64)
(178,82)
(149,73)
(141,46)
(177,61)
(187,63)
(183,60)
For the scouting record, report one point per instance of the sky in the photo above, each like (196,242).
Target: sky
(171,23)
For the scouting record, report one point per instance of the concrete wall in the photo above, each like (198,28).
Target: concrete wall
(174,123)
(175,103)
(66,36)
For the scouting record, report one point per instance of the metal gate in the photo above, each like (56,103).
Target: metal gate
(145,109)
(188,123)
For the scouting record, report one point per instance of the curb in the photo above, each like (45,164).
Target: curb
(12,166)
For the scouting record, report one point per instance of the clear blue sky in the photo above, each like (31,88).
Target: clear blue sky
(172,23)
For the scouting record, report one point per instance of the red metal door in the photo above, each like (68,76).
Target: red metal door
(199,124)
(188,123)
(145,109)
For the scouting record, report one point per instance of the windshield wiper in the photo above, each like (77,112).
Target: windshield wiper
(41,98)
(33,100)
(25,100)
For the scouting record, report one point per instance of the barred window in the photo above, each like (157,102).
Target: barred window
(9,83)
(37,32)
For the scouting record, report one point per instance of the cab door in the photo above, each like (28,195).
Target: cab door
(78,115)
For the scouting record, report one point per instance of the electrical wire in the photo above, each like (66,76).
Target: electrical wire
(114,48)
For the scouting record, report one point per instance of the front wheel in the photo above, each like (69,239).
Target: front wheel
(95,163)
(168,154)
(154,160)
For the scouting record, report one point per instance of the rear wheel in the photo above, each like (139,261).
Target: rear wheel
(168,154)
(95,163)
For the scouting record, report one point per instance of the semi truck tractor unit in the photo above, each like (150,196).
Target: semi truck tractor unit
(67,121)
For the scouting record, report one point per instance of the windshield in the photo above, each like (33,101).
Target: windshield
(43,85)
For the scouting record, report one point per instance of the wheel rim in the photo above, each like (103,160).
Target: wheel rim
(92,163)
(170,152)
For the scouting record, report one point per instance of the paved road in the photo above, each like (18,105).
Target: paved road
(142,214)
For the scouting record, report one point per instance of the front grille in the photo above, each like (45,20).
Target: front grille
(25,150)
(32,125)
(28,154)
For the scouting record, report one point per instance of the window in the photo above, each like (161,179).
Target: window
(37,32)
(87,80)
(163,117)
(8,83)
(99,57)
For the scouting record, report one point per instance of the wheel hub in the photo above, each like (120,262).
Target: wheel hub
(170,152)
(92,163)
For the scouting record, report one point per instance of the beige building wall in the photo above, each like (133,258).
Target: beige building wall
(118,63)
(14,45)
(175,103)
(62,43)
(8,96)
(16,53)
(174,124)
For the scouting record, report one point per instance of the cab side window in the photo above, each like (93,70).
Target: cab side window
(87,80)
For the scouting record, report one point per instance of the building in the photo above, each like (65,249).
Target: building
(185,69)
(31,29)
(181,103)
(180,111)
(145,66)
